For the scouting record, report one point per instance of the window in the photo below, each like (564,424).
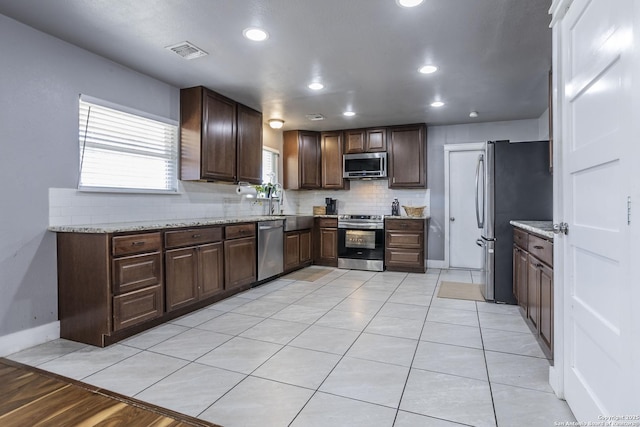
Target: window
(126,150)
(270,165)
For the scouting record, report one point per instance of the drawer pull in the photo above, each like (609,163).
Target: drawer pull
(195,236)
(138,243)
(538,265)
(538,247)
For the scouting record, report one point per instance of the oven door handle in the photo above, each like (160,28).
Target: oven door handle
(361,226)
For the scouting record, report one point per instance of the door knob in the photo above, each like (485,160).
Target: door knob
(452,219)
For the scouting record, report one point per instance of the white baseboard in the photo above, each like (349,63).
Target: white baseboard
(435,263)
(21,340)
(555,381)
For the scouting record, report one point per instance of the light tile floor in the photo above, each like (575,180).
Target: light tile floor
(353,348)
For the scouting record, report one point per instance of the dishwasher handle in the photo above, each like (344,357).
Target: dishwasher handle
(269,227)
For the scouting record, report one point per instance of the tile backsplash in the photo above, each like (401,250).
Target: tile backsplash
(69,206)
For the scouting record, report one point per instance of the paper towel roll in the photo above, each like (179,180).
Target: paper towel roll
(246,190)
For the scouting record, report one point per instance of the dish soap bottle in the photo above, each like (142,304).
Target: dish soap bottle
(395,208)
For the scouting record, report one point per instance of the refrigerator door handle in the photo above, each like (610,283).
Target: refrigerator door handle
(478,206)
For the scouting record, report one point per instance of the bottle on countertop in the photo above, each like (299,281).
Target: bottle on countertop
(395,208)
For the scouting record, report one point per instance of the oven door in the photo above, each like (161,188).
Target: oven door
(360,244)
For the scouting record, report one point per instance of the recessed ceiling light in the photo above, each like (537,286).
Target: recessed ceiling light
(437,104)
(255,34)
(428,69)
(349,113)
(316,86)
(473,114)
(409,3)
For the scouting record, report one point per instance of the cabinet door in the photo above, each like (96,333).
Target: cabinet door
(404,240)
(332,161)
(136,272)
(354,141)
(181,267)
(533,294)
(305,246)
(546,306)
(376,140)
(218,138)
(239,262)
(137,307)
(310,157)
(520,277)
(210,269)
(328,251)
(291,250)
(407,157)
(249,145)
(404,259)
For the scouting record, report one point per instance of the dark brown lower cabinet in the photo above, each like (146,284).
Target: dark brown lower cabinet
(326,246)
(239,262)
(135,307)
(297,249)
(405,244)
(533,284)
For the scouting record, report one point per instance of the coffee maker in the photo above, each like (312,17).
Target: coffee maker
(331,206)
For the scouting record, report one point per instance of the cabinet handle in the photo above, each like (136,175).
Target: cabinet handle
(538,247)
(195,236)
(539,265)
(138,243)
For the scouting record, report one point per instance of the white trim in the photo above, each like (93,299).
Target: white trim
(448,148)
(435,263)
(21,340)
(557,11)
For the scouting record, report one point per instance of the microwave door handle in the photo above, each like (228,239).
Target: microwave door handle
(478,207)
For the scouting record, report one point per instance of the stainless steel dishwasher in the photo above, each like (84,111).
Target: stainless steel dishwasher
(270,248)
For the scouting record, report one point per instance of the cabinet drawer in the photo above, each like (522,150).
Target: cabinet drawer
(520,238)
(136,307)
(404,224)
(327,222)
(136,272)
(136,243)
(398,239)
(241,230)
(192,237)
(541,249)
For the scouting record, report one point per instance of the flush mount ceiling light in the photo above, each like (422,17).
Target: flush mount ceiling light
(473,114)
(315,86)
(428,69)
(409,3)
(255,34)
(276,123)
(437,104)
(349,113)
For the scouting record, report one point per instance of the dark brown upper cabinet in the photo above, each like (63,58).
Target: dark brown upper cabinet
(365,140)
(302,156)
(220,140)
(407,156)
(332,148)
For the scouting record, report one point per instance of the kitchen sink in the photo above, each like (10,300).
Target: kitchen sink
(297,222)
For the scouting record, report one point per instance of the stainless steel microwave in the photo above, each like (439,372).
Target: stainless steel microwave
(364,165)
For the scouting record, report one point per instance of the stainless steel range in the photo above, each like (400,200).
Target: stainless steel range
(361,242)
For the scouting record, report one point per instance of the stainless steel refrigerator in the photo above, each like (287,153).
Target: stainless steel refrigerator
(512,183)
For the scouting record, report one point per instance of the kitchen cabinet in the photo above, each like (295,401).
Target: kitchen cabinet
(297,249)
(240,256)
(220,140)
(533,284)
(365,140)
(326,246)
(405,244)
(331,161)
(407,156)
(302,156)
(108,284)
(194,265)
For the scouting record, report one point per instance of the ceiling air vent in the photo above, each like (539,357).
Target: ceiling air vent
(187,50)
(315,117)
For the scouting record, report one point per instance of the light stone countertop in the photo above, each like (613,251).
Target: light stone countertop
(541,228)
(406,217)
(157,224)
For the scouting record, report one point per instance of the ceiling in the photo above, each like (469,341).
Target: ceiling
(493,55)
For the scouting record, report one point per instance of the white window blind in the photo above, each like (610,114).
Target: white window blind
(269,166)
(124,151)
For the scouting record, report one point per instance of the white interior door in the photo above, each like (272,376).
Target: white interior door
(461,214)
(598,176)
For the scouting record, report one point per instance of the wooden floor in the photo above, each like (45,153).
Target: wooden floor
(32,397)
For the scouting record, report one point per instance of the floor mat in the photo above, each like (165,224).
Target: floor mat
(458,290)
